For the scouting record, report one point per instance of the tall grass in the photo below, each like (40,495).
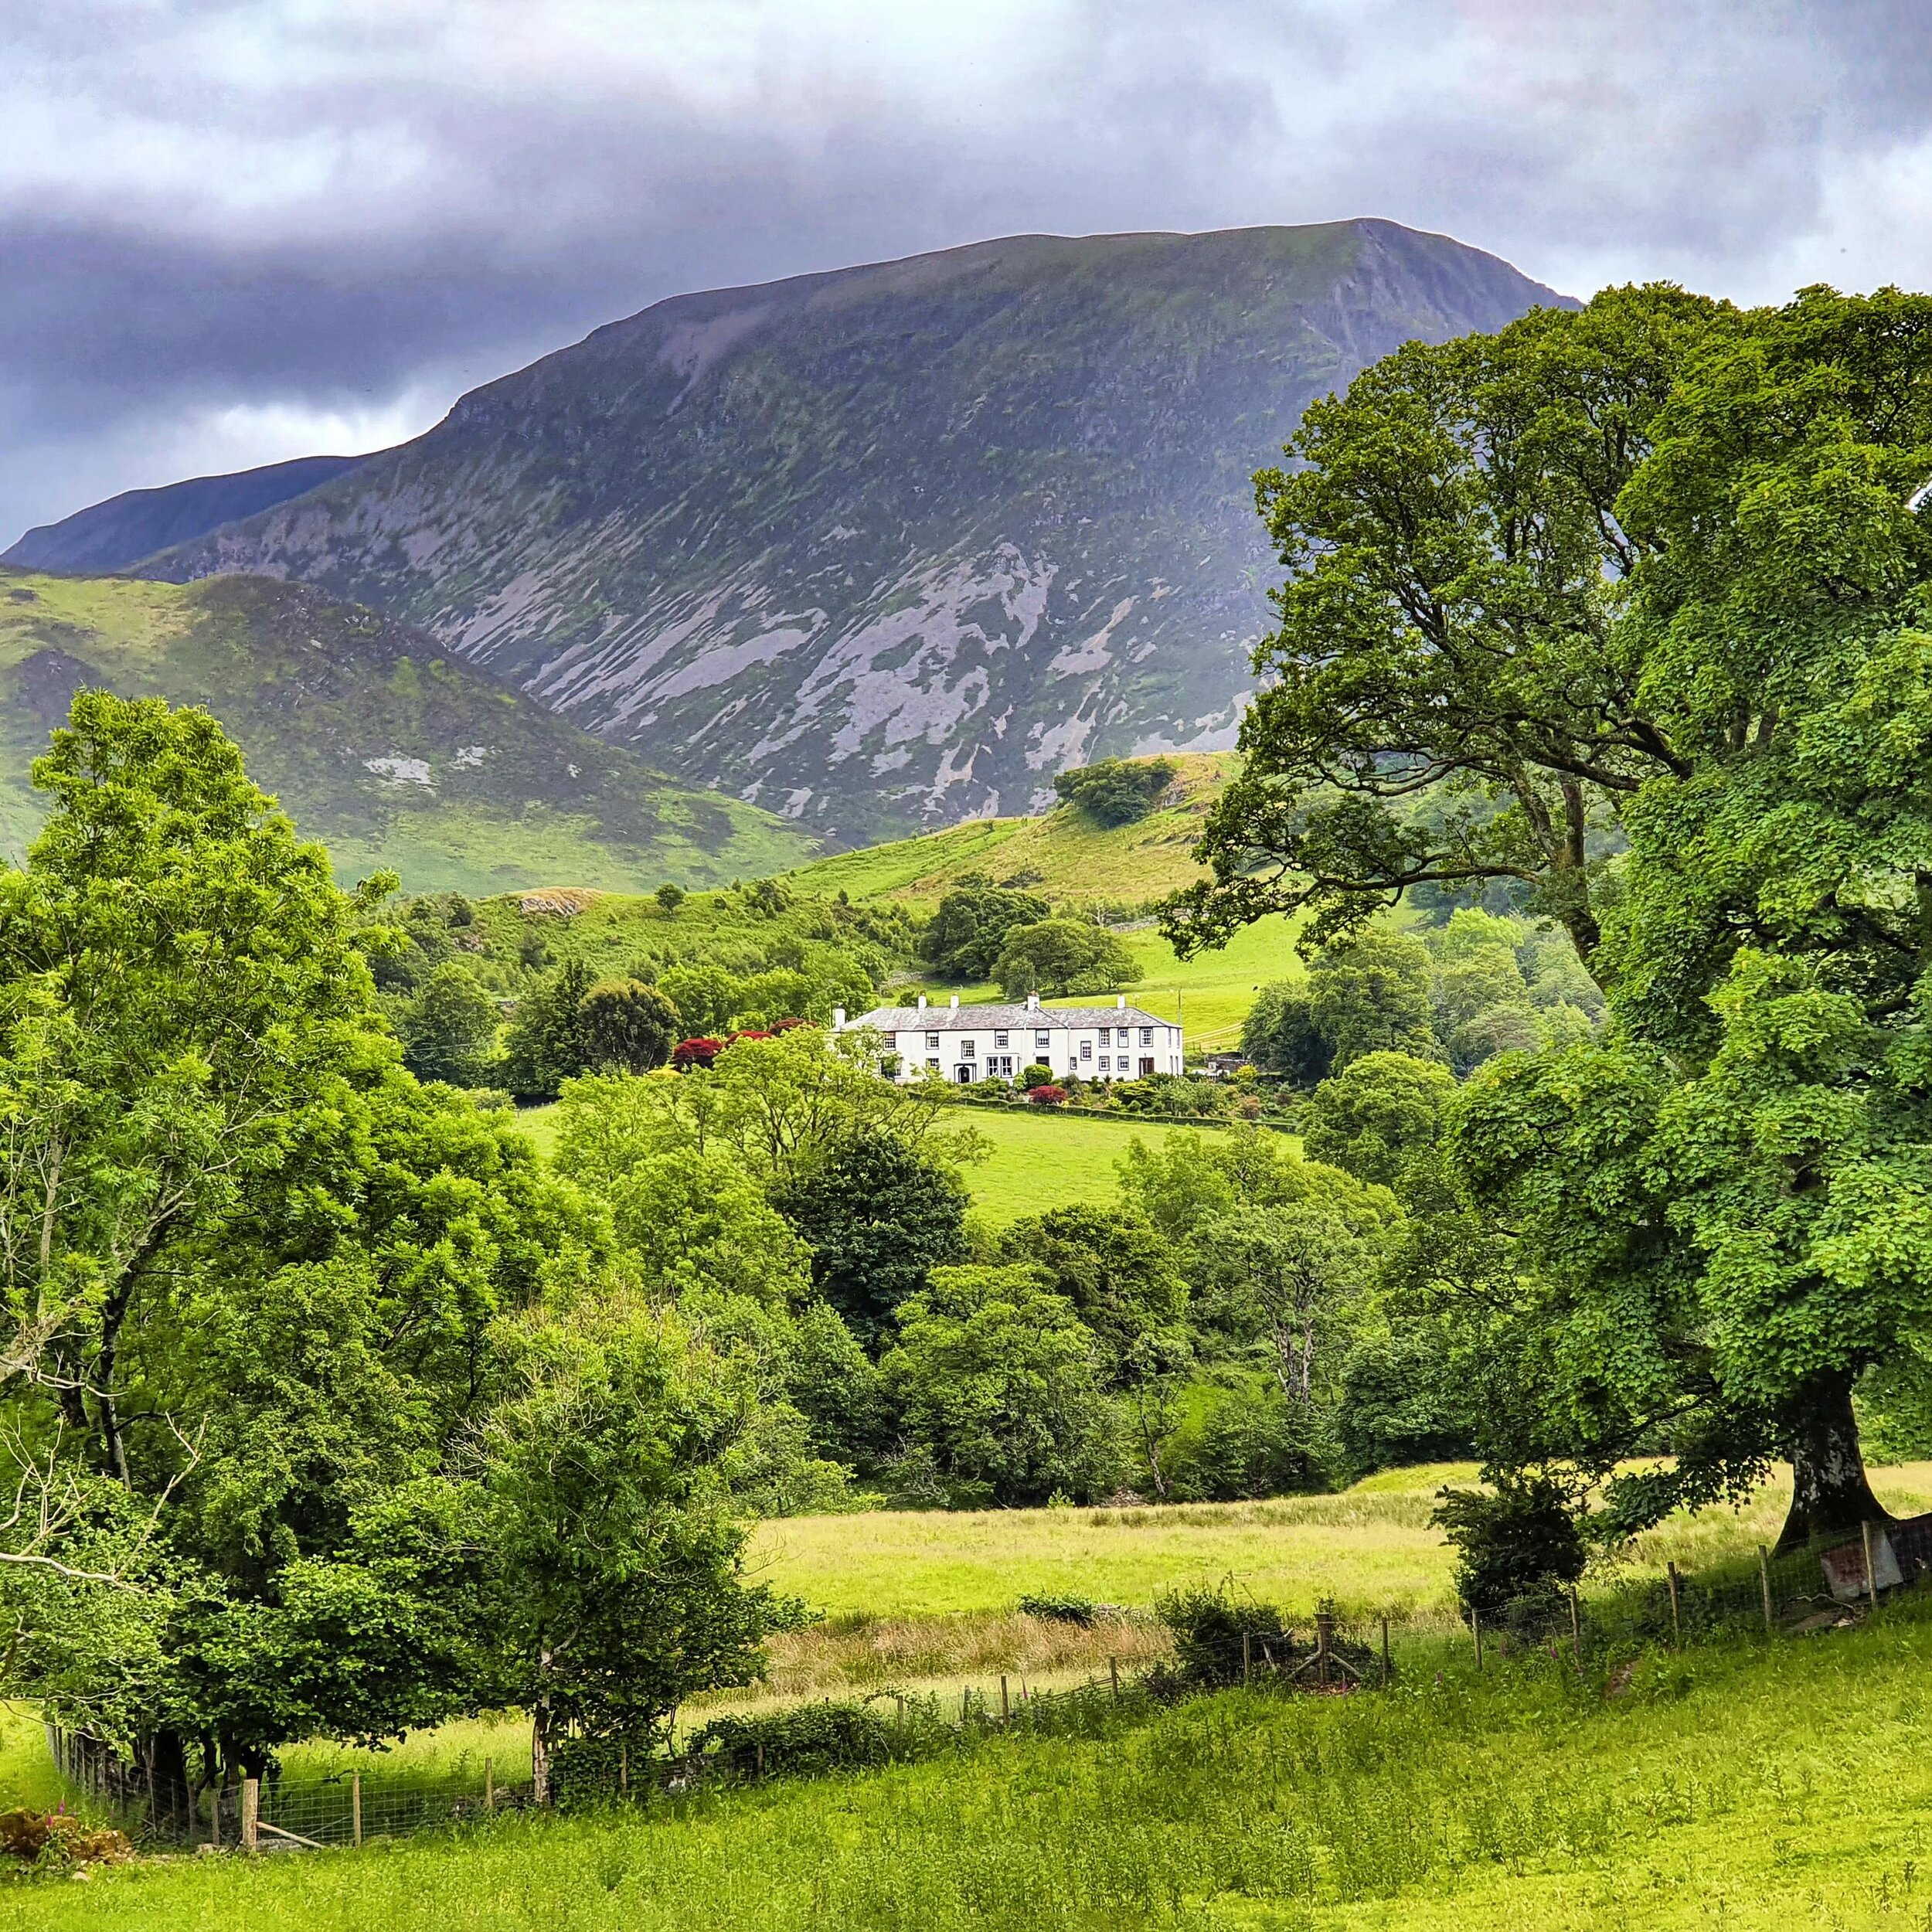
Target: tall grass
(1751,1784)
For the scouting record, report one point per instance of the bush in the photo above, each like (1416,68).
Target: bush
(688,1053)
(1038,1074)
(806,1742)
(1060,1609)
(1255,1444)
(1048,1095)
(1518,1550)
(1207,1627)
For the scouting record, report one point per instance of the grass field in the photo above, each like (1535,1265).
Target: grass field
(1038,1161)
(1754,1786)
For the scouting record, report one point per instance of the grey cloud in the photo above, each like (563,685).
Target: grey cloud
(261,209)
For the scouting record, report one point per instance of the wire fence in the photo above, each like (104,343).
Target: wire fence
(1794,1592)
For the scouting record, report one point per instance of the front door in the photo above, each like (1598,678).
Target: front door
(1147,1064)
(967,1076)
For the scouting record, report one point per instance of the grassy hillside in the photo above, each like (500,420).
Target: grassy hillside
(380,745)
(1758,1786)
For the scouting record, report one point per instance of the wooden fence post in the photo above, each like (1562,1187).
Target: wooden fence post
(1247,1660)
(1764,1584)
(761,1760)
(489,1784)
(1005,1709)
(251,1812)
(1676,1622)
(1575,1629)
(1475,1630)
(355,1806)
(1386,1672)
(1114,1671)
(1871,1569)
(1323,1644)
(966,1703)
(214,1818)
(623,1769)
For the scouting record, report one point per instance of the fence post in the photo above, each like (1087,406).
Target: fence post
(1676,1622)
(966,1704)
(1114,1671)
(1005,1710)
(623,1769)
(1871,1569)
(1323,1642)
(1386,1672)
(250,1810)
(761,1760)
(489,1784)
(1247,1660)
(355,1806)
(1764,1584)
(1575,1629)
(1475,1630)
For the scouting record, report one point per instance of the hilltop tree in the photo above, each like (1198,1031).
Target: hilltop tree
(1116,791)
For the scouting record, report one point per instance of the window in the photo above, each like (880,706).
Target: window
(1087,1049)
(999,1040)
(933,1064)
(1043,1041)
(932,1040)
(892,1039)
(966,1048)
(1147,1038)
(1104,1063)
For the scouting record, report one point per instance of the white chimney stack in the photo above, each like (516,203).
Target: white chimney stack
(838,1019)
(1120,1000)
(922,1002)
(955,1002)
(1032,1002)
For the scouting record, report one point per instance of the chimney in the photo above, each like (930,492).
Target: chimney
(955,1002)
(922,1002)
(838,1019)
(1120,1001)
(1032,1002)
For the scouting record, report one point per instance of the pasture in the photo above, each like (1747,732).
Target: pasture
(1757,1785)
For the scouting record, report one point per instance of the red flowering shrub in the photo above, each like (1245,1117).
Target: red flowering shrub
(688,1053)
(1047,1095)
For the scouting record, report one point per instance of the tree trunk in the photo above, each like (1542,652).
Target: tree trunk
(1829,1493)
(171,1793)
(540,1739)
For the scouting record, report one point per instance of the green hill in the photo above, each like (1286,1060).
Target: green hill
(375,740)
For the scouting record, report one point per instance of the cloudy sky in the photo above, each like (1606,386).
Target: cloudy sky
(236,230)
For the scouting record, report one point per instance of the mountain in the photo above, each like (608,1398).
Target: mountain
(117,534)
(887,547)
(376,741)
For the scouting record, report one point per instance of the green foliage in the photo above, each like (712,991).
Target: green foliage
(706,997)
(835,1384)
(1253,1442)
(1059,1609)
(623,1568)
(969,929)
(1402,1401)
(878,1215)
(449,1029)
(1381,1118)
(670,897)
(1059,956)
(1458,560)
(998,1380)
(1279,1034)
(1371,996)
(627,1027)
(545,1044)
(812,1741)
(1117,792)
(1517,1548)
(1209,1626)
(1114,1266)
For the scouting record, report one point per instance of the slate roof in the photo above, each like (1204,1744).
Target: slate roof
(980,1020)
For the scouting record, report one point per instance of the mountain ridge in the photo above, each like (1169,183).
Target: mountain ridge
(885,547)
(115,535)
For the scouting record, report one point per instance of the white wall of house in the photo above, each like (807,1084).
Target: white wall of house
(966,1043)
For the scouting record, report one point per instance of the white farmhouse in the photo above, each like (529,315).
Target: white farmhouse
(964,1043)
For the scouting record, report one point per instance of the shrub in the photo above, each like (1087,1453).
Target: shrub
(1060,1609)
(1519,1550)
(670,897)
(1255,1444)
(1038,1074)
(1047,1095)
(1207,1627)
(807,1742)
(688,1053)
